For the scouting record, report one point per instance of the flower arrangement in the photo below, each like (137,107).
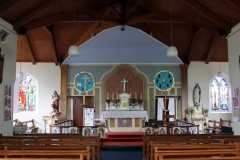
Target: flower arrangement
(190,110)
(84,105)
(108,101)
(133,100)
(140,101)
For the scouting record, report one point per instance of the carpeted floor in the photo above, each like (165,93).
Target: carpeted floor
(121,153)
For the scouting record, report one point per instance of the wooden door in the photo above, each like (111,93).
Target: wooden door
(78,109)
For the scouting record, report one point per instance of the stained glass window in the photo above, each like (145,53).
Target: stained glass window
(219,95)
(27,94)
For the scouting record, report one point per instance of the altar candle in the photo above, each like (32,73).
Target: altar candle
(116,95)
(107,95)
(113,96)
(135,95)
(140,95)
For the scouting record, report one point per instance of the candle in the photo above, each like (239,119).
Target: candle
(83,99)
(135,95)
(130,95)
(117,96)
(107,95)
(113,96)
(140,95)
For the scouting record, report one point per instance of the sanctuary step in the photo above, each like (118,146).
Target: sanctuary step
(123,139)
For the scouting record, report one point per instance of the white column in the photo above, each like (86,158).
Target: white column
(234,70)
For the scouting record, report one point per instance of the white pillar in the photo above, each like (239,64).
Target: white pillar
(234,71)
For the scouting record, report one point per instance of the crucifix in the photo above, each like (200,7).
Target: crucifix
(85,78)
(124,81)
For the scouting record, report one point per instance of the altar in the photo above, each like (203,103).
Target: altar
(124,121)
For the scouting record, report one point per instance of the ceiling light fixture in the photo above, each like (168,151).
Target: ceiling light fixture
(20,74)
(172,50)
(73,49)
(219,74)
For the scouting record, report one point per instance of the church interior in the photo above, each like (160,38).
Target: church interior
(120,79)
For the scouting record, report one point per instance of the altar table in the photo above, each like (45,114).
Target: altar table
(124,121)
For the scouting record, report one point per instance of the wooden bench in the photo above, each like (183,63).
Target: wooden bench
(51,141)
(31,128)
(195,151)
(167,139)
(53,153)
(215,126)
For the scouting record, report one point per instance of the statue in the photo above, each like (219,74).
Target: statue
(55,103)
(196,95)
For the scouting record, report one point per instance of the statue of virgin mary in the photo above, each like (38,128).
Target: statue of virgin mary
(196,95)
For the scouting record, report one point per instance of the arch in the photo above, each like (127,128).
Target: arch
(220,93)
(114,70)
(25,91)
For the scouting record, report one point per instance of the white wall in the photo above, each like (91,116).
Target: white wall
(201,73)
(48,76)
(9,50)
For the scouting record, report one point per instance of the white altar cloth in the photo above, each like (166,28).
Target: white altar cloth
(124,114)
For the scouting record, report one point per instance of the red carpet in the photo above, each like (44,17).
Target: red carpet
(123,139)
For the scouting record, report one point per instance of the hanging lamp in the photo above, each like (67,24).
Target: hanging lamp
(172,50)
(73,49)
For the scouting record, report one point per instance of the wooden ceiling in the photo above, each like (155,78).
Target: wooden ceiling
(47,28)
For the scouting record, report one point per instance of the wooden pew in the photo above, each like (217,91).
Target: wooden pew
(195,151)
(164,139)
(30,125)
(49,141)
(31,153)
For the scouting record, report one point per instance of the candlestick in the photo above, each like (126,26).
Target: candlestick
(140,95)
(113,96)
(116,95)
(135,95)
(107,95)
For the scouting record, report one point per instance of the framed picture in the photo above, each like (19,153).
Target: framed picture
(155,131)
(101,132)
(86,131)
(94,131)
(73,130)
(176,130)
(148,130)
(162,130)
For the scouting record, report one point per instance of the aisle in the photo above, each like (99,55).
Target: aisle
(121,153)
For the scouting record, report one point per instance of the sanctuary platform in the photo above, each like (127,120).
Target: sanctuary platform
(123,139)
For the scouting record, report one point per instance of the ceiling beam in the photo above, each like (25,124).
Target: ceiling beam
(210,50)
(54,53)
(131,10)
(196,32)
(113,9)
(8,4)
(32,14)
(141,18)
(97,17)
(215,18)
(65,16)
(25,39)
(231,5)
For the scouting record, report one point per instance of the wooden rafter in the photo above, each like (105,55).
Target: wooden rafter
(8,4)
(215,18)
(131,10)
(25,39)
(64,16)
(210,50)
(140,18)
(231,5)
(196,32)
(54,53)
(32,14)
(116,12)
(97,17)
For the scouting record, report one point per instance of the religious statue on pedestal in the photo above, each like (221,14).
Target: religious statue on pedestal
(55,103)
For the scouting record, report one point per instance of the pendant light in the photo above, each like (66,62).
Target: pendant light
(73,49)
(172,50)
(20,74)
(219,74)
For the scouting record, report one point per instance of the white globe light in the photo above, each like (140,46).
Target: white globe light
(220,74)
(172,51)
(73,50)
(20,75)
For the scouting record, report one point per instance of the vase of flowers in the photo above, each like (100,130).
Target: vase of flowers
(133,100)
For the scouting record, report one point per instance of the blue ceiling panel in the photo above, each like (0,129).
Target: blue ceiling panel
(114,46)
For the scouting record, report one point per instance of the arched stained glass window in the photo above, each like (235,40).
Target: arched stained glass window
(219,95)
(27,94)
